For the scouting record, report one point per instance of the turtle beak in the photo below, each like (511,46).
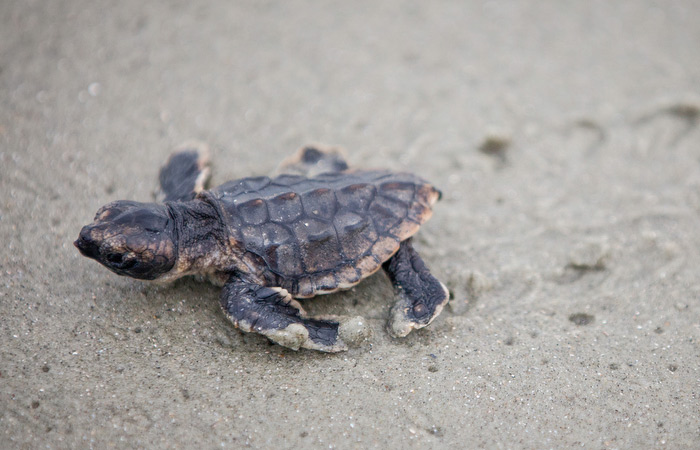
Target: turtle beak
(86,244)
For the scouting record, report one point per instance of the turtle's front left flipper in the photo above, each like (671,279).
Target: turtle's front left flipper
(186,173)
(420,296)
(273,313)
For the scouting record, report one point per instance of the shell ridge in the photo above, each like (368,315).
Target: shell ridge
(340,242)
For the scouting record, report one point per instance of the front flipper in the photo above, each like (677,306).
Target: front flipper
(421,296)
(313,160)
(273,313)
(186,173)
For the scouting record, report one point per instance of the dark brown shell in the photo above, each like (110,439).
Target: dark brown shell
(317,235)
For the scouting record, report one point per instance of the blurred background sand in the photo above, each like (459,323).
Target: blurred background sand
(564,136)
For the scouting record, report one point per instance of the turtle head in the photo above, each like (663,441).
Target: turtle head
(132,239)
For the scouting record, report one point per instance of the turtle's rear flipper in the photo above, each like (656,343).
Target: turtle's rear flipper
(421,296)
(186,173)
(273,313)
(312,160)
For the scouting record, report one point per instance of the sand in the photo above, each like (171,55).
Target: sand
(564,136)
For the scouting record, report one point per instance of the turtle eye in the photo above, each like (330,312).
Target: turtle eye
(128,264)
(115,258)
(119,261)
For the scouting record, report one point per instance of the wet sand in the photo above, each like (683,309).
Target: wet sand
(565,140)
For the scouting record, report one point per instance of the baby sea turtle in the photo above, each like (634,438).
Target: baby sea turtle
(313,229)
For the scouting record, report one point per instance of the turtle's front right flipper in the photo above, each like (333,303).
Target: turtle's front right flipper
(273,313)
(186,173)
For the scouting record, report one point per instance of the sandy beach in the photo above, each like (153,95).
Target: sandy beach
(565,137)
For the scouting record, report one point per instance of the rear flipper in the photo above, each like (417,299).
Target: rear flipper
(312,160)
(421,296)
(186,173)
(273,313)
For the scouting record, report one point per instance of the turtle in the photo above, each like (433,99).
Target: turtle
(314,227)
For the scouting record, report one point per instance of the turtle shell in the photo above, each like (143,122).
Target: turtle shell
(321,234)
